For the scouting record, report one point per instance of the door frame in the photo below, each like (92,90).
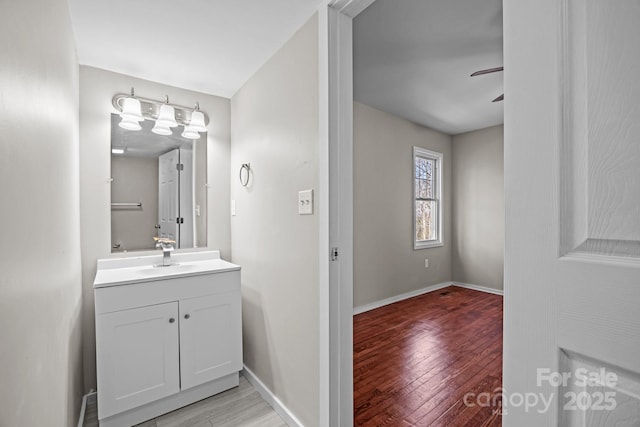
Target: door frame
(335,198)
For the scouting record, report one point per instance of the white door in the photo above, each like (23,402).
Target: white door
(187,199)
(137,357)
(210,338)
(168,195)
(572,177)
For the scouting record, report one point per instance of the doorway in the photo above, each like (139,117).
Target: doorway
(428,208)
(559,273)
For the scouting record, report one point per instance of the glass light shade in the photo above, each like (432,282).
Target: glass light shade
(131,110)
(161,128)
(129,124)
(190,133)
(167,116)
(197,122)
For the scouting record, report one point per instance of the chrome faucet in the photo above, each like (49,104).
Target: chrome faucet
(167,246)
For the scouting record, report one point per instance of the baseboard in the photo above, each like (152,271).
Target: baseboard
(382,303)
(478,288)
(87,399)
(277,405)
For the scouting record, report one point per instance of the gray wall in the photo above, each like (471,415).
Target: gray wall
(478,207)
(40,303)
(97,87)
(135,179)
(275,128)
(385,263)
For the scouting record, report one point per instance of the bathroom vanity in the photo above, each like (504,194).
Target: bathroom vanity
(165,336)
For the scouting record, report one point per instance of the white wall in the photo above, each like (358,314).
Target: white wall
(97,87)
(275,128)
(478,207)
(40,292)
(385,263)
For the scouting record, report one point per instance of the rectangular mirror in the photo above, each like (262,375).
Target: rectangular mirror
(158,188)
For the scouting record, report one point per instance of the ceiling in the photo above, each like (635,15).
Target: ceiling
(414,58)
(210,46)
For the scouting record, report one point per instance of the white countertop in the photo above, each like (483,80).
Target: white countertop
(136,269)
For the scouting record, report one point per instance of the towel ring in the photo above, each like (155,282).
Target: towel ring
(244,181)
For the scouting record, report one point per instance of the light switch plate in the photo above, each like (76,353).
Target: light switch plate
(305,202)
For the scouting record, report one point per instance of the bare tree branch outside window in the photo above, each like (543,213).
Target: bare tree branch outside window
(426,203)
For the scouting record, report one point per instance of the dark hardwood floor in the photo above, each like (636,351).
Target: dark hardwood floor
(415,360)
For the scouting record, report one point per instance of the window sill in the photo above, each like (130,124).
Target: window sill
(427,245)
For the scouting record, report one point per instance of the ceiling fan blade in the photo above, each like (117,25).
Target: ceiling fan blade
(500,98)
(487,71)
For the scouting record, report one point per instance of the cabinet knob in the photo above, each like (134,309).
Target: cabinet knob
(171,320)
(186,316)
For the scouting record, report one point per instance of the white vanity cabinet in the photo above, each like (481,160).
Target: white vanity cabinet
(206,322)
(165,337)
(138,357)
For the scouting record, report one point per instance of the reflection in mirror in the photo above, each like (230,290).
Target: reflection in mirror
(157,189)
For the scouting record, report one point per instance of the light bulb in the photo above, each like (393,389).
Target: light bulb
(167,116)
(197,122)
(161,128)
(129,124)
(131,110)
(190,133)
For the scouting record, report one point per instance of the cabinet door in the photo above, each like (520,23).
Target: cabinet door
(210,338)
(137,357)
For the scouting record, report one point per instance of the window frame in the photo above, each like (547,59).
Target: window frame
(419,152)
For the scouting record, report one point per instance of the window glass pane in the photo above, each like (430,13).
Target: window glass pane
(421,168)
(425,169)
(426,212)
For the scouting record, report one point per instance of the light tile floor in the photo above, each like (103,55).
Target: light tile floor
(239,407)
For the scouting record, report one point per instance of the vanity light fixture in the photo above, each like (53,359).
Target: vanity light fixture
(131,113)
(133,109)
(117,151)
(161,129)
(196,124)
(197,120)
(166,119)
(190,133)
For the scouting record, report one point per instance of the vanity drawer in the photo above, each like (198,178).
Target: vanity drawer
(123,297)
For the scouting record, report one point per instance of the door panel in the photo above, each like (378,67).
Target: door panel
(601,120)
(187,204)
(616,399)
(137,357)
(612,37)
(168,195)
(210,338)
(572,178)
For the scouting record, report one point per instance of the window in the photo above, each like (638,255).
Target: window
(427,204)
